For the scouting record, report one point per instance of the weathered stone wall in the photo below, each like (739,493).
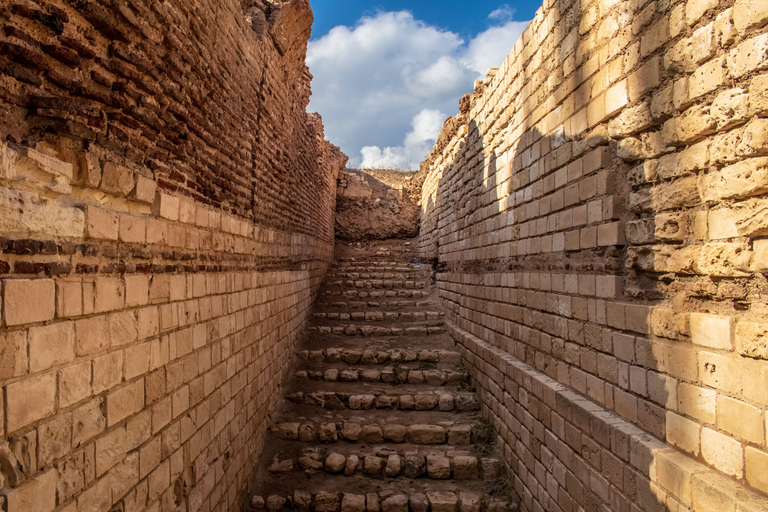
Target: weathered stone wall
(376,205)
(166,216)
(598,215)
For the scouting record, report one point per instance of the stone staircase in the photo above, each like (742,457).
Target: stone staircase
(379,415)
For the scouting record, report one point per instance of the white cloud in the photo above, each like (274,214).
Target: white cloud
(425,127)
(392,73)
(503,13)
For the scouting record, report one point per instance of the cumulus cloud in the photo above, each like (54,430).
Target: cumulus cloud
(425,127)
(392,75)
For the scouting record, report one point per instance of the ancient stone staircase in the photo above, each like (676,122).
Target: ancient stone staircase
(379,415)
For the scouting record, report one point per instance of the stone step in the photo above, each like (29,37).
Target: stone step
(452,500)
(333,303)
(379,316)
(377,274)
(373,433)
(371,330)
(365,294)
(445,401)
(391,463)
(373,356)
(388,375)
(377,284)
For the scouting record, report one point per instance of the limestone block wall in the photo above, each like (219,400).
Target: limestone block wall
(166,217)
(597,213)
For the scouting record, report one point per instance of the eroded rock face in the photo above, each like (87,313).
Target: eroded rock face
(375,209)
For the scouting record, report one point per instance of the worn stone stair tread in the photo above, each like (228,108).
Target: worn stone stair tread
(409,461)
(302,413)
(368,330)
(396,376)
(361,484)
(305,430)
(410,399)
(380,355)
(319,340)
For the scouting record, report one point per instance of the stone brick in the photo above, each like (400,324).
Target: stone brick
(748,14)
(752,339)
(117,179)
(145,190)
(101,223)
(27,301)
(740,419)
(730,108)
(29,400)
(756,468)
(683,433)
(110,450)
(749,56)
(51,346)
(722,452)
(69,298)
(14,361)
(124,402)
(675,472)
(91,335)
(714,331)
(74,383)
(695,9)
(744,179)
(132,229)
(644,79)
(700,403)
(166,206)
(707,78)
(38,494)
(110,294)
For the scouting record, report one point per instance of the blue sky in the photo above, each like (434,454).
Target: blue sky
(462,17)
(387,75)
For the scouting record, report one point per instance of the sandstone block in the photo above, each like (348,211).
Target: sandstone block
(50,346)
(101,223)
(752,339)
(469,502)
(415,466)
(74,383)
(38,494)
(465,467)
(29,300)
(132,229)
(353,503)
(394,465)
(740,419)
(145,189)
(744,179)
(110,449)
(117,179)
(756,468)
(327,433)
(335,463)
(166,206)
(748,56)
(683,433)
(426,434)
(327,502)
(396,503)
(443,501)
(353,462)
(419,502)
(438,467)
(722,451)
(695,9)
(714,331)
(372,434)
(707,78)
(395,433)
(29,400)
(748,14)
(730,108)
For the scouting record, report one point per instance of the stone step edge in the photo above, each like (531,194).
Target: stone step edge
(430,501)
(394,465)
(378,316)
(352,356)
(388,294)
(352,432)
(386,376)
(415,303)
(461,402)
(370,330)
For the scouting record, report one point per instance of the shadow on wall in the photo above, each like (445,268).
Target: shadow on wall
(536,243)
(370,209)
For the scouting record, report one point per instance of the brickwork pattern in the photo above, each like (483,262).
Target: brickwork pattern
(596,213)
(166,219)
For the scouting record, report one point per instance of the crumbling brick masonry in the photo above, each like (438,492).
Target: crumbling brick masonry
(166,216)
